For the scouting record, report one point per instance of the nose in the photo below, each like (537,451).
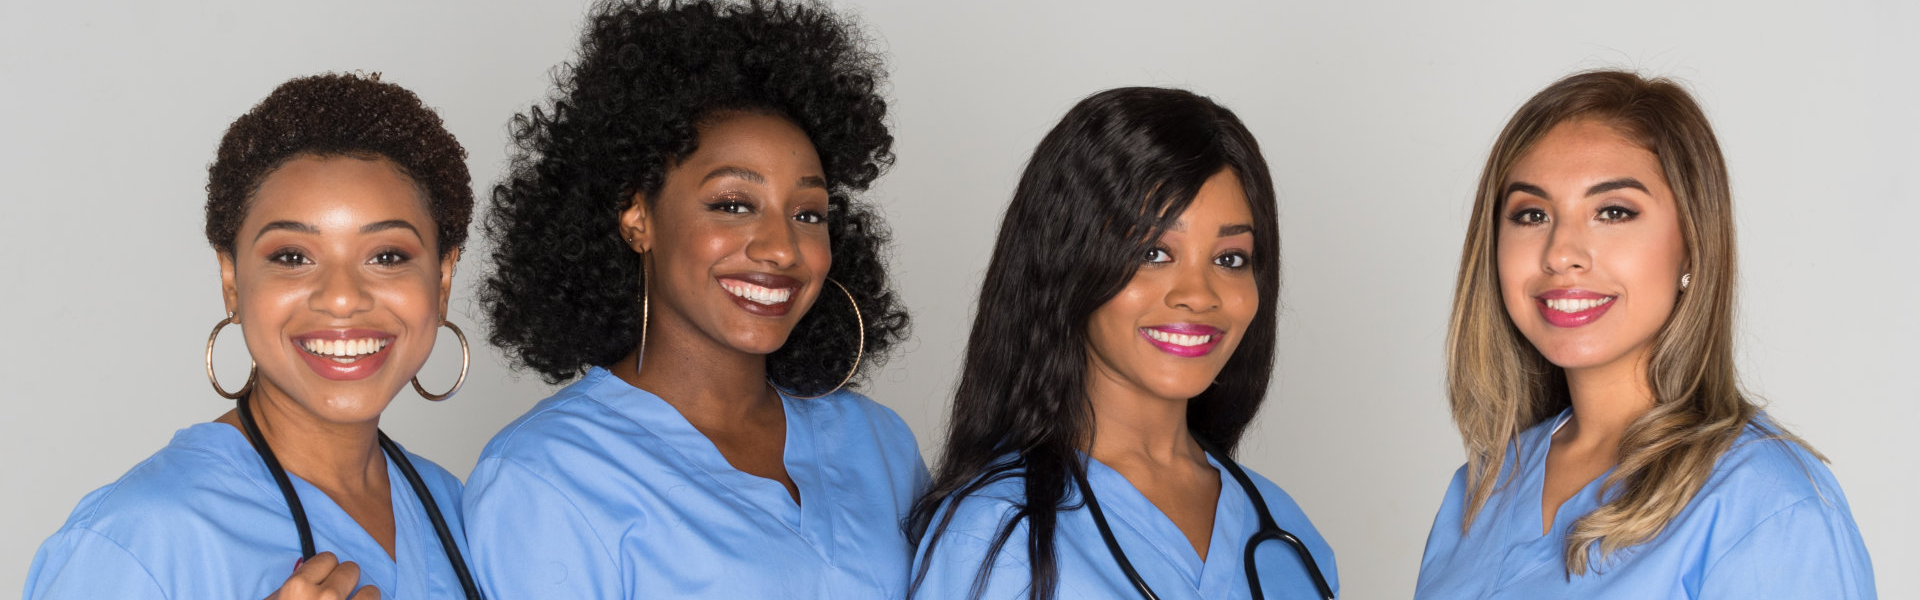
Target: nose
(774,242)
(1193,287)
(340,293)
(1567,249)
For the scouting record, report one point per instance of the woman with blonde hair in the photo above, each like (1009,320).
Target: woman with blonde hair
(1610,451)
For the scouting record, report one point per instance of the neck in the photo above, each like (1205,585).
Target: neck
(1133,427)
(710,385)
(1607,399)
(343,457)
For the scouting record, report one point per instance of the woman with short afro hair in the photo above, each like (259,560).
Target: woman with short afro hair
(679,236)
(336,209)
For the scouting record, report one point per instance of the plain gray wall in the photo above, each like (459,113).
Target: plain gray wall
(1375,117)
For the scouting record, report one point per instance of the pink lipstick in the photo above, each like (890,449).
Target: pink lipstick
(1571,307)
(1185,340)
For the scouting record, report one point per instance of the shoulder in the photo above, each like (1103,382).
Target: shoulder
(988,504)
(1768,473)
(851,409)
(169,487)
(444,485)
(571,416)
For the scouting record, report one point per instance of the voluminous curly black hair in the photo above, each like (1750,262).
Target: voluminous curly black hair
(564,295)
(339,114)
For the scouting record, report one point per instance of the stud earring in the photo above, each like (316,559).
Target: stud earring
(1685,279)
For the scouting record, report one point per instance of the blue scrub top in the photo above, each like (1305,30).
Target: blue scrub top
(1158,550)
(1771,522)
(606,491)
(203,518)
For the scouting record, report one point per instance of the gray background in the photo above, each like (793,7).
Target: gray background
(1374,115)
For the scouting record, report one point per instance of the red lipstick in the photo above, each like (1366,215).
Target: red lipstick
(1572,307)
(1185,340)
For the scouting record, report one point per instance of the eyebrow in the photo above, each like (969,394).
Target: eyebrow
(1235,229)
(1623,183)
(392,224)
(293,226)
(754,177)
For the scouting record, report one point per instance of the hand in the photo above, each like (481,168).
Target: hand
(324,577)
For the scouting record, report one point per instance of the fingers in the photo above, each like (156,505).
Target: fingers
(340,582)
(325,577)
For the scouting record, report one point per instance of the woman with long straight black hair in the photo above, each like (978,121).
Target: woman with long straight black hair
(1124,339)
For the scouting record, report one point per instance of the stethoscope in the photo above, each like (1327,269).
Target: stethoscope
(1269,530)
(406,470)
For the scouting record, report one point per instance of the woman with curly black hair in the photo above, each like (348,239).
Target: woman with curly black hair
(1124,339)
(337,208)
(679,234)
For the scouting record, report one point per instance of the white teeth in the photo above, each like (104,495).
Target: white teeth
(345,350)
(1574,305)
(756,294)
(1177,338)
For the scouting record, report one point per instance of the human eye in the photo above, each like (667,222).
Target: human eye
(1617,214)
(1528,216)
(288,257)
(389,258)
(1235,260)
(811,217)
(732,204)
(1158,255)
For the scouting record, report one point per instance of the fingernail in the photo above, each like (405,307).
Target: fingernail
(299,561)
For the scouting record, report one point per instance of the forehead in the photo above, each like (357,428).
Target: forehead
(1584,151)
(765,141)
(336,191)
(1221,201)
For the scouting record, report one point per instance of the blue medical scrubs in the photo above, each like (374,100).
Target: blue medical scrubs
(606,491)
(1771,522)
(1152,543)
(202,518)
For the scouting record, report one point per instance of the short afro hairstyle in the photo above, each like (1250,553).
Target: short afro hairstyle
(340,115)
(565,292)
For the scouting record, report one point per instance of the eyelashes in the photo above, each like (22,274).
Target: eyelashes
(1233,259)
(1612,213)
(737,204)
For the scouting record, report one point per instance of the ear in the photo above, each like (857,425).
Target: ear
(446,279)
(636,224)
(229,292)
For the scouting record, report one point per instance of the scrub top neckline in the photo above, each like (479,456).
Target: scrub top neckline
(1167,539)
(376,567)
(1537,489)
(657,416)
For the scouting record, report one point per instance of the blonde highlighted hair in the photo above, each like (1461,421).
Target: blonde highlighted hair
(1499,385)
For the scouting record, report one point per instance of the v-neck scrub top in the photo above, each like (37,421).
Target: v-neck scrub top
(1157,548)
(605,491)
(1770,522)
(203,518)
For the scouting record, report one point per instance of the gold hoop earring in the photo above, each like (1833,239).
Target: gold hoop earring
(860,324)
(245,387)
(640,352)
(465,358)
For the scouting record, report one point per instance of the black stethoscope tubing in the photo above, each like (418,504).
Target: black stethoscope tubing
(412,476)
(1269,530)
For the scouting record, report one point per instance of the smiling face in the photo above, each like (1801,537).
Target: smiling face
(737,236)
(1589,249)
(1170,331)
(338,285)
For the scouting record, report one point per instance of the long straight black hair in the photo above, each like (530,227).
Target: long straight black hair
(1102,186)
